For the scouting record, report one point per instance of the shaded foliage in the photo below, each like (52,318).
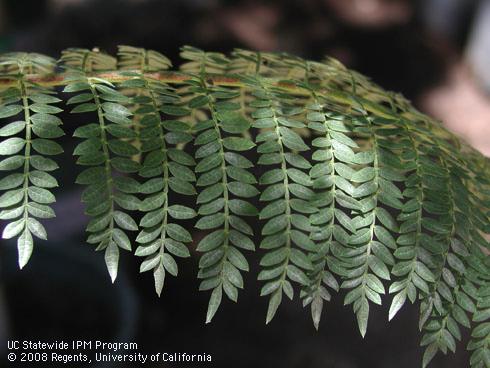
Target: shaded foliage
(354,189)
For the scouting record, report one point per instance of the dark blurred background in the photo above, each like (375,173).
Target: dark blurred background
(436,52)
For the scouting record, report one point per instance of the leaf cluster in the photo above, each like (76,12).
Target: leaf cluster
(341,184)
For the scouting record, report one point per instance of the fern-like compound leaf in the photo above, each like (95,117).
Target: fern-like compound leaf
(105,150)
(326,231)
(29,132)
(225,184)
(166,170)
(283,186)
(368,252)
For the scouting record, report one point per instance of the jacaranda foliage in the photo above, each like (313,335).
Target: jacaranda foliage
(346,185)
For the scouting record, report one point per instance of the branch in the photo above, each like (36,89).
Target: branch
(59,79)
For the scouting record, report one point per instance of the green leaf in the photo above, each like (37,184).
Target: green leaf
(297,160)
(83,108)
(295,274)
(13,229)
(40,210)
(274,225)
(424,272)
(211,241)
(125,221)
(238,144)
(176,248)
(299,177)
(150,263)
(42,179)
(208,163)
(43,163)
(272,176)
(91,176)
(174,110)
(181,157)
(11,213)
(87,131)
(237,259)
(429,354)
(292,140)
(12,163)
(465,302)
(88,146)
(243,208)
(43,98)
(25,246)
(169,264)
(12,128)
(11,146)
(159,277)
(237,238)
(46,147)
(152,218)
(122,148)
(11,197)
(41,195)
(363,175)
(211,258)
(363,316)
(36,228)
(7,111)
(115,109)
(198,101)
(44,109)
(121,239)
(178,233)
(302,241)
(300,259)
(386,219)
(211,221)
(125,165)
(242,189)
(11,181)
(233,122)
(47,130)
(181,212)
(397,304)
(112,259)
(214,303)
(274,303)
(45,119)
(76,87)
(181,186)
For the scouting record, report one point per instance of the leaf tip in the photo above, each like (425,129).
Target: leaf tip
(363,332)
(159,293)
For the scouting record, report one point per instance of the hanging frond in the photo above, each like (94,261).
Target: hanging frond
(356,190)
(285,189)
(105,150)
(165,169)
(223,180)
(31,125)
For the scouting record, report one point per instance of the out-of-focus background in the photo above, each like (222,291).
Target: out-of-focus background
(436,52)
